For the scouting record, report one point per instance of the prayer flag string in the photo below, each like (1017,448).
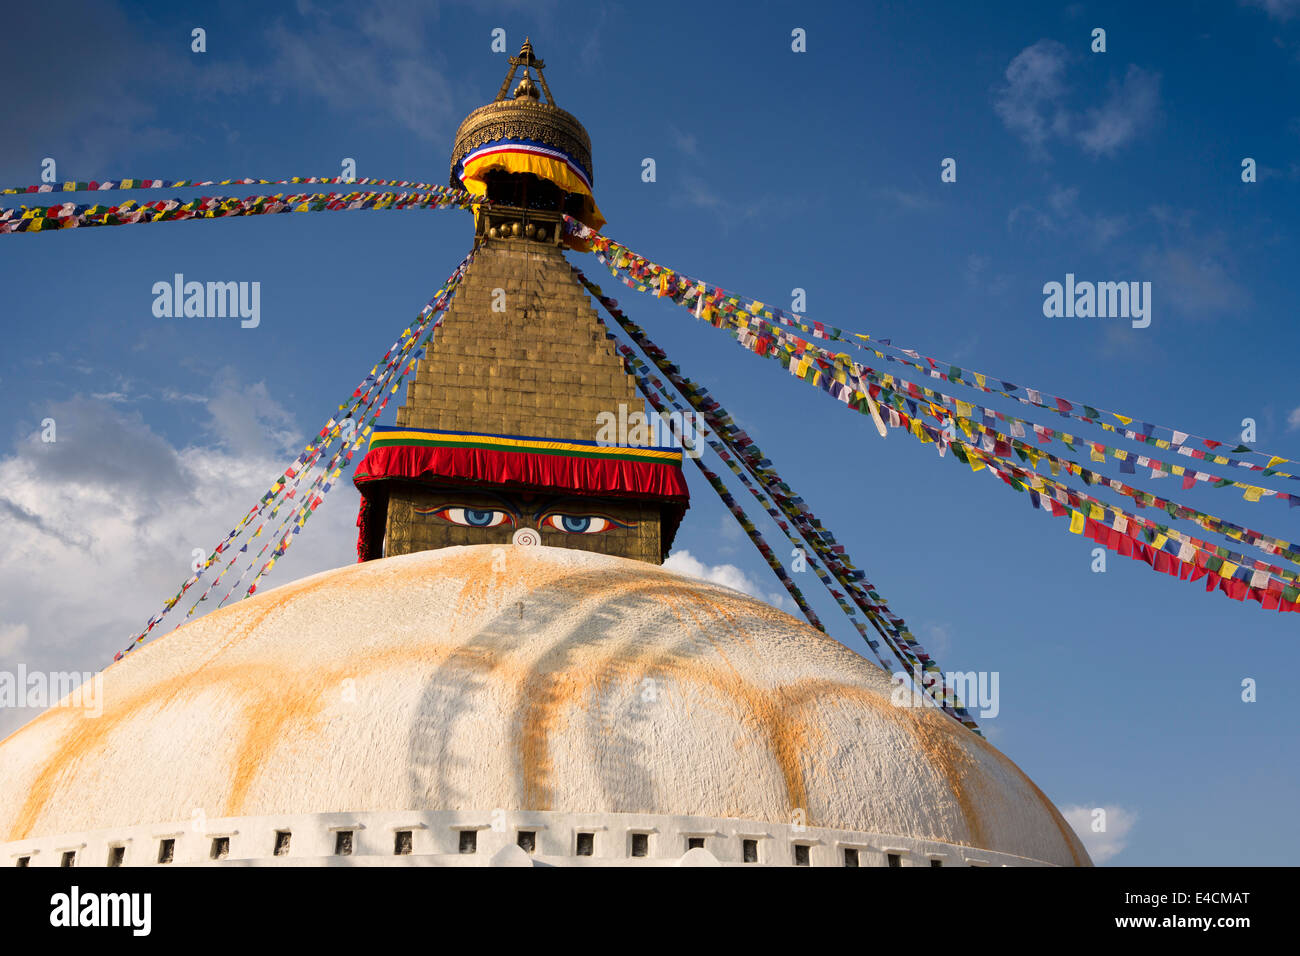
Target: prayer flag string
(859,387)
(922,668)
(352,429)
(71,215)
(118,185)
(707,300)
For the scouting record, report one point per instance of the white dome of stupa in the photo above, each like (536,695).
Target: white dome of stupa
(589,709)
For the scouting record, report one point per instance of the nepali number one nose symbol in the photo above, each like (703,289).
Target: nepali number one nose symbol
(526,537)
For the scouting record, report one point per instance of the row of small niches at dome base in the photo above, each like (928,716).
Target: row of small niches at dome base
(637,845)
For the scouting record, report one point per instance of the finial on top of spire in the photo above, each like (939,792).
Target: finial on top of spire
(526,54)
(526,59)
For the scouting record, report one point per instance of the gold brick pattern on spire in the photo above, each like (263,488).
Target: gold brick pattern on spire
(541,368)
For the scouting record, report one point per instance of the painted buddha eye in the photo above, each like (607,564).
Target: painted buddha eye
(581,524)
(471,517)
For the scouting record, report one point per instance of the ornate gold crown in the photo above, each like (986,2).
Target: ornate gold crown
(523,116)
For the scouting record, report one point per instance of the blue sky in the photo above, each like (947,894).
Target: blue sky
(775,170)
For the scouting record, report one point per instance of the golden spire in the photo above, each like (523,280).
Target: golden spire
(522,113)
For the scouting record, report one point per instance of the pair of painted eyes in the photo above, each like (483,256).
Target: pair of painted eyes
(492,518)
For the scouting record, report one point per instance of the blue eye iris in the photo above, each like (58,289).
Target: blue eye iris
(575,525)
(478,518)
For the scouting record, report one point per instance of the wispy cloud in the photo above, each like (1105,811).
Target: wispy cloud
(1032,103)
(101,525)
(386,70)
(1280,10)
(684,141)
(1193,270)
(1130,108)
(1102,845)
(1060,212)
(905,199)
(730,212)
(938,639)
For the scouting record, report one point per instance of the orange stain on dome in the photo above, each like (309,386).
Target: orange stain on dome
(712,649)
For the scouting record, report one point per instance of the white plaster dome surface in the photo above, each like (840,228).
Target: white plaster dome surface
(523,678)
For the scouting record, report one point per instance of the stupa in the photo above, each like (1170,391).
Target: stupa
(508,676)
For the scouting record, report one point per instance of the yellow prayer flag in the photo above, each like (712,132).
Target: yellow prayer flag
(1253,492)
(1076,522)
(1097,453)
(1123,420)
(1227,570)
(1096,512)
(1276,461)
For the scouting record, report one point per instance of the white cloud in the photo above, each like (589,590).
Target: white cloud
(1293,420)
(1104,845)
(1131,108)
(1032,103)
(101,524)
(728,575)
(1029,103)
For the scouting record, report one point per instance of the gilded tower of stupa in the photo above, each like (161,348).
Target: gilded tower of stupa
(498,432)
